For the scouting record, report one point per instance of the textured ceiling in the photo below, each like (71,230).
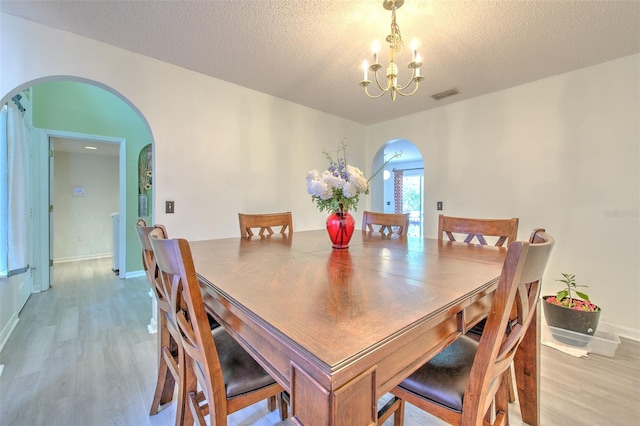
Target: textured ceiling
(310,52)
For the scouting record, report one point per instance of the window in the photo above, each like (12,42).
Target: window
(412,196)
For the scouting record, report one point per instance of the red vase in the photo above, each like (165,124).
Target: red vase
(340,226)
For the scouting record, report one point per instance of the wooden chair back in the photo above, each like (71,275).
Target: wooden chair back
(519,287)
(169,348)
(265,222)
(148,259)
(505,229)
(389,222)
(202,363)
(467,383)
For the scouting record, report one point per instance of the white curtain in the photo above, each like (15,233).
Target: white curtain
(18,192)
(4,196)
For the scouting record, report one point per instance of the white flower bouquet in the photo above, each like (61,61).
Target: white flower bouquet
(338,188)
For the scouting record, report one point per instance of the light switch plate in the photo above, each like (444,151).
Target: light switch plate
(169,207)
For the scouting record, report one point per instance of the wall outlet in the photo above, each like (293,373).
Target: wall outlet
(169,207)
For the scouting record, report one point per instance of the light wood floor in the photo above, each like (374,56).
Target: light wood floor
(81,355)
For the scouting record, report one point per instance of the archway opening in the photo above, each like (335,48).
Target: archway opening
(82,108)
(399,188)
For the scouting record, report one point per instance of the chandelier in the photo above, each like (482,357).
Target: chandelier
(395,46)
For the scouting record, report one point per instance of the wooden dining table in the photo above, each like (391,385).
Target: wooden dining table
(339,328)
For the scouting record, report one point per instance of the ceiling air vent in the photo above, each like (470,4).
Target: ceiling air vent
(445,94)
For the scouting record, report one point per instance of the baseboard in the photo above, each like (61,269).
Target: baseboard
(6,332)
(134,274)
(78,258)
(628,333)
(152,327)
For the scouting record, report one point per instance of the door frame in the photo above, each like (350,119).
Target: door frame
(418,172)
(43,241)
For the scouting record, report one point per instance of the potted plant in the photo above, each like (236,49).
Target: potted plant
(571,313)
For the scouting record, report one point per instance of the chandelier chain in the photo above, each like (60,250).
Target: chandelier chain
(395,38)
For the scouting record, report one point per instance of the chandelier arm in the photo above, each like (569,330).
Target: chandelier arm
(413,79)
(380,86)
(415,89)
(366,91)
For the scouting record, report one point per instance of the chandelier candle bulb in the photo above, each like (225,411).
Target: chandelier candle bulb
(365,67)
(375,47)
(414,48)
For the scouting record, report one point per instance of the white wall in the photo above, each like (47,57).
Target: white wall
(219,149)
(83,224)
(561,153)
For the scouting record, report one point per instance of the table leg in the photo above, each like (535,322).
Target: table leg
(313,403)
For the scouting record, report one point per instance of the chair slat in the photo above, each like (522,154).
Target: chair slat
(506,230)
(265,222)
(389,223)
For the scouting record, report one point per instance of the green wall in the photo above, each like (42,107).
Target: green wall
(84,108)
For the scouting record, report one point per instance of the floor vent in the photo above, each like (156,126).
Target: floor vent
(445,94)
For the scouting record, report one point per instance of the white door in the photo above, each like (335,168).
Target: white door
(40,211)
(51,190)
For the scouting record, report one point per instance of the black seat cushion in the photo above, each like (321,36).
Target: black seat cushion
(476,331)
(443,380)
(241,372)
(212,322)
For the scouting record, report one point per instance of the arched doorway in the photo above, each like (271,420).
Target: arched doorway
(399,188)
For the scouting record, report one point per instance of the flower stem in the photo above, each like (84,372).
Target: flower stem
(397,154)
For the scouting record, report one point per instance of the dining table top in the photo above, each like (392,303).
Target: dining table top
(336,305)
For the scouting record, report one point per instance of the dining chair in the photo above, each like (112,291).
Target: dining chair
(265,222)
(169,347)
(386,221)
(229,378)
(505,229)
(168,337)
(466,383)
